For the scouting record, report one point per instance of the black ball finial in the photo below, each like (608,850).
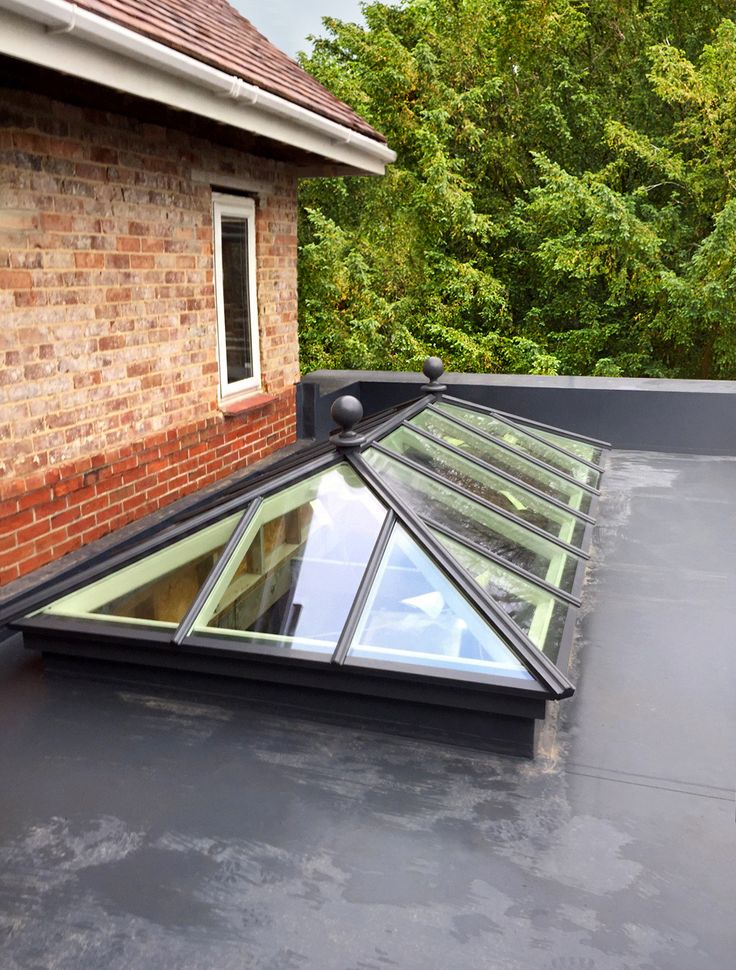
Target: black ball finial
(346,411)
(434,369)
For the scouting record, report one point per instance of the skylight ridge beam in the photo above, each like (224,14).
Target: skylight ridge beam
(540,666)
(507,476)
(364,588)
(206,588)
(517,451)
(512,567)
(255,478)
(514,420)
(403,413)
(471,496)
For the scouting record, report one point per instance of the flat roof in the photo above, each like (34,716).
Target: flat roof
(145,826)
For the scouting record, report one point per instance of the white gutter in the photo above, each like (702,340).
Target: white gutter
(65,38)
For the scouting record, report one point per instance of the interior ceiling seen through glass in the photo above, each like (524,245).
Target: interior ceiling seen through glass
(415,616)
(294,575)
(156,590)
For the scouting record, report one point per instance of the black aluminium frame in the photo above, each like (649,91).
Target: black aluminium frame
(514,422)
(500,443)
(479,500)
(498,472)
(402,681)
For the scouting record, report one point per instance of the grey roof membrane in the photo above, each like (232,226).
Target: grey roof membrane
(163,828)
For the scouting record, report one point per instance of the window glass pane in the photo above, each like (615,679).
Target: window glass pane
(236,303)
(414,615)
(516,465)
(580,448)
(464,473)
(488,529)
(539,614)
(293,578)
(156,590)
(524,442)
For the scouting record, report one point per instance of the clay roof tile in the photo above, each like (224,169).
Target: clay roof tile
(214,32)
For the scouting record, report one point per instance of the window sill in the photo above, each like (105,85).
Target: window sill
(243,403)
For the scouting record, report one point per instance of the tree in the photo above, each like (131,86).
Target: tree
(561,199)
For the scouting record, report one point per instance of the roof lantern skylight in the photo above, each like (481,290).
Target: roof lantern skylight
(421,568)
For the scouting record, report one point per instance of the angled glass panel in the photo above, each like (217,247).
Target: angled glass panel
(485,484)
(157,590)
(414,616)
(292,579)
(511,435)
(516,465)
(539,614)
(581,448)
(472,521)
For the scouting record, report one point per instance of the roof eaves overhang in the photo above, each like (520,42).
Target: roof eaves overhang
(59,35)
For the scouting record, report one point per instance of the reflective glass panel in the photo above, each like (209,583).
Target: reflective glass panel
(519,439)
(580,448)
(157,590)
(539,614)
(506,461)
(295,573)
(466,474)
(488,529)
(415,616)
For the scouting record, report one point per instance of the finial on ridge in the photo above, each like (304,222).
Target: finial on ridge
(346,411)
(433,369)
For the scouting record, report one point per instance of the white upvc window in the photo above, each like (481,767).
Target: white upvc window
(238,351)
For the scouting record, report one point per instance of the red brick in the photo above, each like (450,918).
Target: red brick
(118,331)
(32,532)
(14,523)
(15,279)
(9,571)
(8,540)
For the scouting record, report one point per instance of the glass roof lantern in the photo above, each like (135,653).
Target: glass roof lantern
(426,561)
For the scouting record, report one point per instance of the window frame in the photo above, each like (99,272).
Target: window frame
(239,207)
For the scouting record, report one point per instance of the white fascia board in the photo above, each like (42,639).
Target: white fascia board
(60,36)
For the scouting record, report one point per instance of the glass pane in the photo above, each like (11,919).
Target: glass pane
(466,474)
(415,616)
(580,448)
(539,614)
(157,590)
(294,575)
(236,309)
(516,465)
(524,442)
(488,529)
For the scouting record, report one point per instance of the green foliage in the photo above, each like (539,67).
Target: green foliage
(563,199)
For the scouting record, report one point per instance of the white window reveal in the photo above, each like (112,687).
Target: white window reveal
(235,289)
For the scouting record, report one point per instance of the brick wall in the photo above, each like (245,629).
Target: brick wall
(108,366)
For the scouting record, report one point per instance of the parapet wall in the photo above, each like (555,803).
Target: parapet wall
(683,417)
